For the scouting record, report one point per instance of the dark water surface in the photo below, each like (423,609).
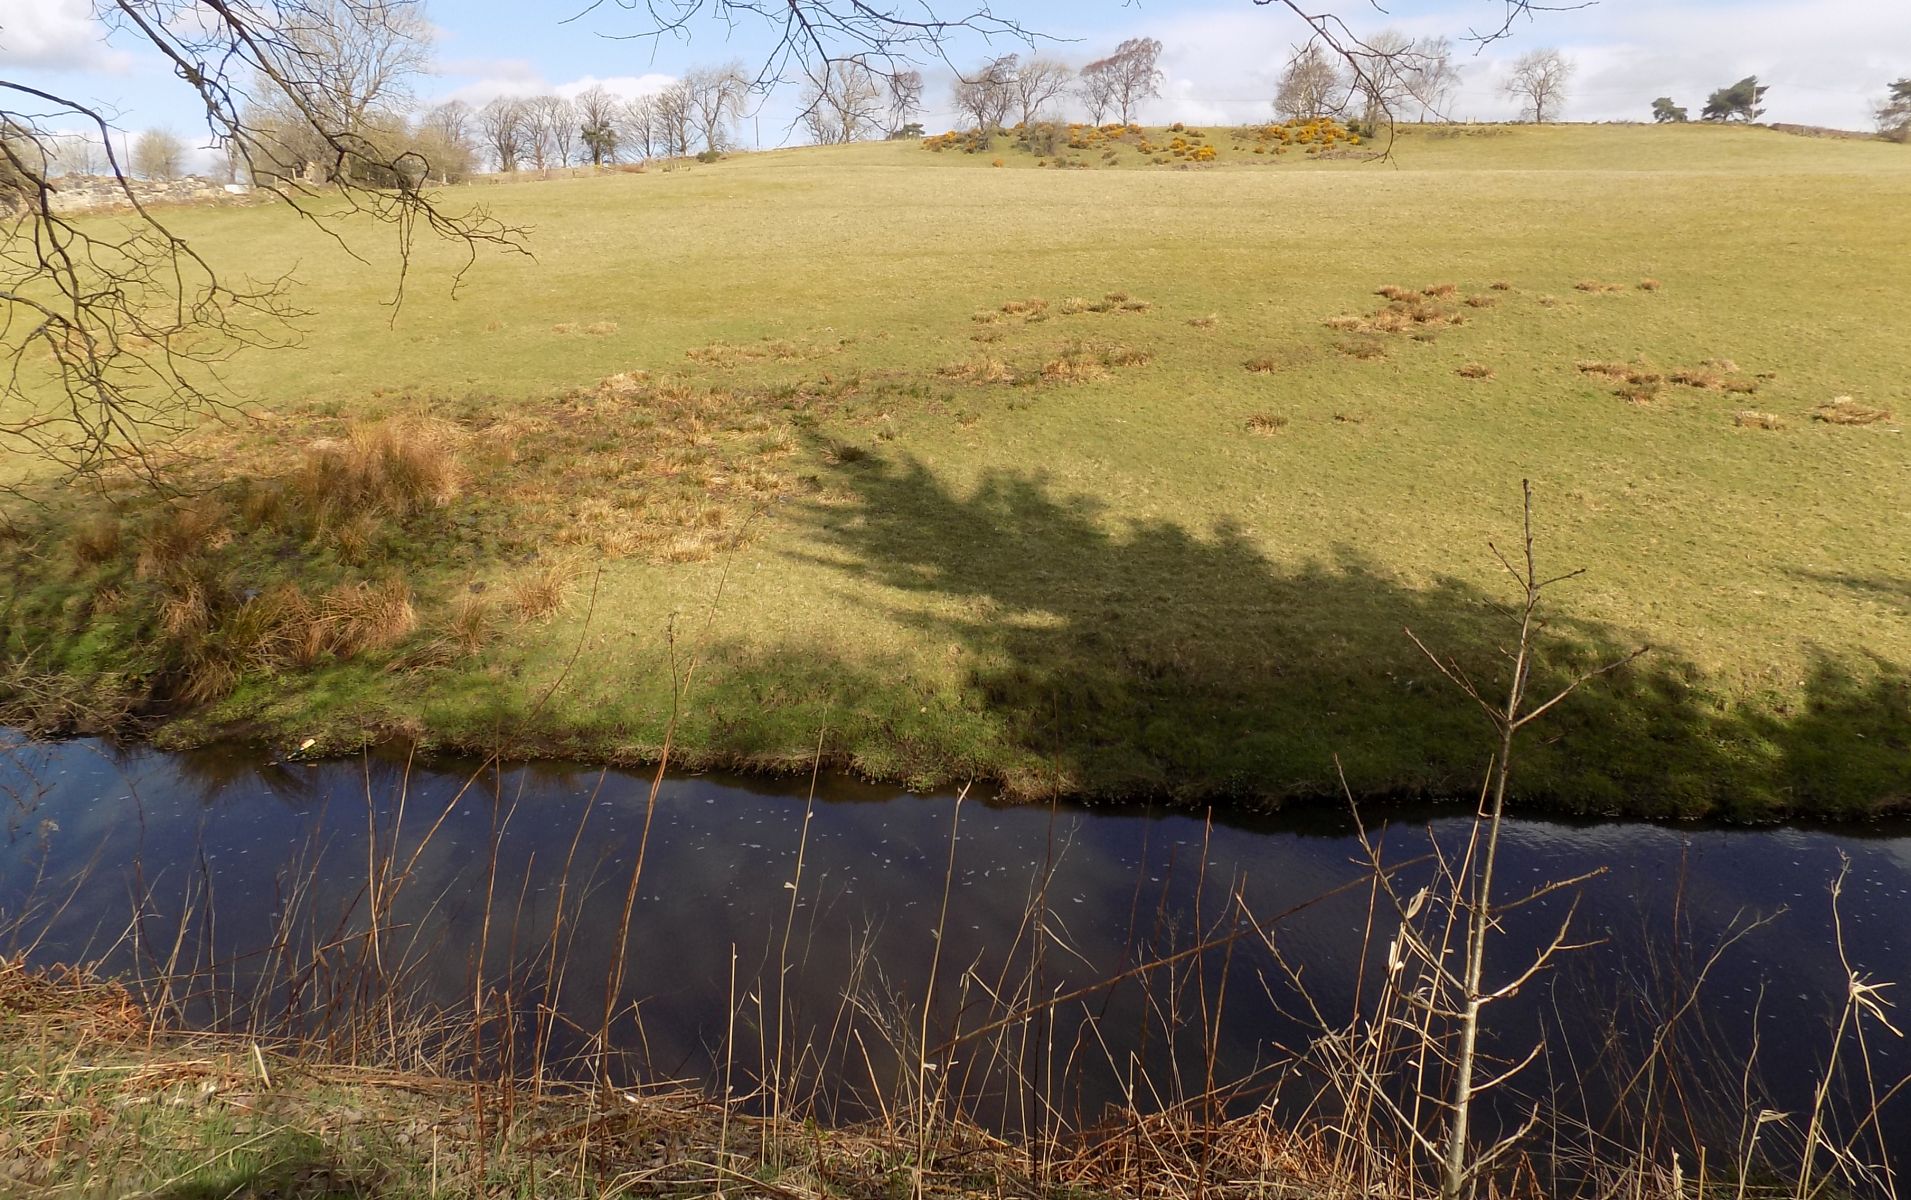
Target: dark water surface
(245,855)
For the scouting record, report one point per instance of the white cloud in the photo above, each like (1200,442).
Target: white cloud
(56,35)
(519,77)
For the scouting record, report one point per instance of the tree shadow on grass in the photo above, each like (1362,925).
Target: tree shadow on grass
(1138,657)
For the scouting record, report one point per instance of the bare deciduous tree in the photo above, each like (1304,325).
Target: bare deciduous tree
(905,98)
(1313,84)
(1131,75)
(715,98)
(446,135)
(1383,66)
(158,154)
(985,97)
(597,124)
(641,126)
(674,120)
(843,104)
(1037,82)
(553,131)
(1539,81)
(1433,77)
(1095,88)
(507,132)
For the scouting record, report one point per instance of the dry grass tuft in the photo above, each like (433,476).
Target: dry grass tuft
(601,328)
(357,617)
(542,591)
(1597,287)
(1395,292)
(1714,381)
(396,467)
(1126,356)
(1440,291)
(1748,419)
(1721,364)
(1074,366)
(981,369)
(1501,285)
(1481,300)
(1016,308)
(1650,285)
(1548,301)
(1074,306)
(179,534)
(1618,372)
(1207,322)
(1364,348)
(1846,411)
(1266,424)
(97,539)
(1475,370)
(471,622)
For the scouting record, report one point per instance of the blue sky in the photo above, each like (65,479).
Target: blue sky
(1827,61)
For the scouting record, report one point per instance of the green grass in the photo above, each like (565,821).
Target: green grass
(1113,585)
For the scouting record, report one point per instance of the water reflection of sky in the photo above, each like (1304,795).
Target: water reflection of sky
(721,852)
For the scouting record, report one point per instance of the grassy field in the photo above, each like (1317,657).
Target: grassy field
(1087,481)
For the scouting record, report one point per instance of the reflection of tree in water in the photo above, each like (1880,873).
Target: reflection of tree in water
(1138,655)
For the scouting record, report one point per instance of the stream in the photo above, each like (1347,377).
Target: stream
(763,917)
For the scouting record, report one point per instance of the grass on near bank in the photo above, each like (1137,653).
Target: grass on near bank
(1093,481)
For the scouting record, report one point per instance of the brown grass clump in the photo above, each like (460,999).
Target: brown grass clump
(1501,285)
(186,611)
(363,616)
(1846,411)
(1748,419)
(601,328)
(1266,424)
(1721,364)
(1207,322)
(97,539)
(1074,366)
(1650,285)
(1074,306)
(982,370)
(1405,312)
(564,328)
(1126,356)
(180,533)
(541,591)
(1549,301)
(470,623)
(1263,365)
(986,335)
(1597,287)
(1363,348)
(1618,372)
(397,467)
(1713,381)
(1441,291)
(1016,308)
(1394,291)
(1481,300)
(1475,370)
(1639,396)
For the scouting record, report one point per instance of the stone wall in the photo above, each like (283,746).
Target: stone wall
(99,192)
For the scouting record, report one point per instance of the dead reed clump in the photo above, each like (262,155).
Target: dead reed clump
(541,591)
(1846,411)
(1266,424)
(1475,370)
(1748,419)
(185,611)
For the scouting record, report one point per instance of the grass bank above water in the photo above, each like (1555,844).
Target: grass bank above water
(1136,502)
